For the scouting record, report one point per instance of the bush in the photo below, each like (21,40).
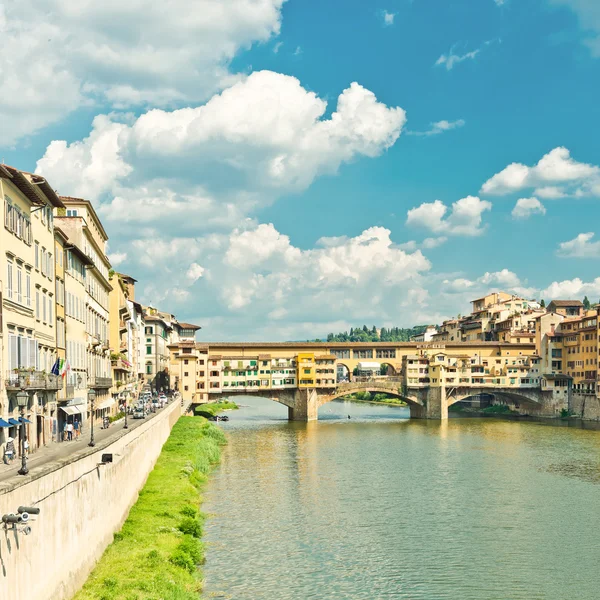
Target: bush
(498,409)
(184,560)
(119,415)
(189,511)
(190,526)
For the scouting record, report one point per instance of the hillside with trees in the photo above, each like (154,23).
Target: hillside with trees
(385,334)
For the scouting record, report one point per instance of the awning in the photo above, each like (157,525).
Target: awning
(105,404)
(13,422)
(71,410)
(24,420)
(4,423)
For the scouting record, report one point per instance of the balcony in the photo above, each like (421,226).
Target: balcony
(32,380)
(120,364)
(100,382)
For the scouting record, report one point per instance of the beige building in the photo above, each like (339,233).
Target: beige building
(27,317)
(85,231)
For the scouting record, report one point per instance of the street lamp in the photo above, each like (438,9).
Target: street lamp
(126,426)
(92,399)
(22,401)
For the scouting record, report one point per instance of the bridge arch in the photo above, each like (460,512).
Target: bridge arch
(530,398)
(347,371)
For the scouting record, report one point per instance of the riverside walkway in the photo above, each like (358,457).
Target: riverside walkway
(61,453)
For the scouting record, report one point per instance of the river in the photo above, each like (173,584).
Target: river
(380,506)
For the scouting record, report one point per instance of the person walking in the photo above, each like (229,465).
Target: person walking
(66,431)
(76,428)
(70,432)
(9,451)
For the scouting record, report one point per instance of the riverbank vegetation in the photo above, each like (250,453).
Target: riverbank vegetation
(156,553)
(495,409)
(375,398)
(212,408)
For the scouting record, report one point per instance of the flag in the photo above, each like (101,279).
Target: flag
(56,367)
(66,367)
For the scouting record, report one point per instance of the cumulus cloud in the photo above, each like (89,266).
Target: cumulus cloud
(464,218)
(580,247)
(556,174)
(194,272)
(572,288)
(439,127)
(526,207)
(125,54)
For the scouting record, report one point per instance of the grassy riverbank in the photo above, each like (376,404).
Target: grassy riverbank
(368,398)
(155,554)
(212,408)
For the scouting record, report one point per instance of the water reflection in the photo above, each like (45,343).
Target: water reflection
(378,506)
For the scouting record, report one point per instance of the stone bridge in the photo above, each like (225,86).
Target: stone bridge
(423,402)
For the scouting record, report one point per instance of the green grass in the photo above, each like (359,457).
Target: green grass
(498,409)
(212,408)
(156,553)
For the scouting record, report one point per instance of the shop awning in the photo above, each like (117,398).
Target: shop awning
(24,420)
(71,410)
(4,423)
(13,422)
(105,404)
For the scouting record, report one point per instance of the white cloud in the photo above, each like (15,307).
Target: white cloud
(526,207)
(259,139)
(572,288)
(450,60)
(464,218)
(503,278)
(556,174)
(194,272)
(429,243)
(277,47)
(440,127)
(388,18)
(499,2)
(117,258)
(132,53)
(580,247)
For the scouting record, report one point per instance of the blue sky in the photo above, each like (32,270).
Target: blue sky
(205,136)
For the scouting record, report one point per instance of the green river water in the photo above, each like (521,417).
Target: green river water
(379,506)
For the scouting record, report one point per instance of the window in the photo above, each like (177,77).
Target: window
(148,349)
(149,331)
(363,353)
(71,212)
(186,361)
(28,288)
(186,374)
(19,284)
(50,310)
(44,307)
(185,388)
(9,279)
(37,304)
(149,369)
(341,353)
(385,353)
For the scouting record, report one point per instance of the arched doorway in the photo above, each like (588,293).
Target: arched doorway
(343,373)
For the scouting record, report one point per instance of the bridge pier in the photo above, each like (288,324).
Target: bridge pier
(435,405)
(306,407)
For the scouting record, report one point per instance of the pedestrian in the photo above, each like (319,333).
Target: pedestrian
(26,446)
(66,431)
(9,451)
(70,432)
(76,428)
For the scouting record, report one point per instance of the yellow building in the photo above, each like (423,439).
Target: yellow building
(27,317)
(306,366)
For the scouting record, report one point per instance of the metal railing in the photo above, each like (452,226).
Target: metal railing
(100,382)
(67,393)
(32,380)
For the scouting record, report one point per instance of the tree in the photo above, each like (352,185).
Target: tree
(542,303)
(586,303)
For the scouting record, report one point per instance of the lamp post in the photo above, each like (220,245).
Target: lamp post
(22,401)
(126,426)
(92,399)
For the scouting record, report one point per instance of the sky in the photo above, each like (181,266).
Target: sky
(281,169)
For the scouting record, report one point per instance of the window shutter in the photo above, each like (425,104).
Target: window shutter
(13,352)
(23,356)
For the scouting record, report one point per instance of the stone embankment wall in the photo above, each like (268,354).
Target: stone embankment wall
(82,504)
(585,406)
